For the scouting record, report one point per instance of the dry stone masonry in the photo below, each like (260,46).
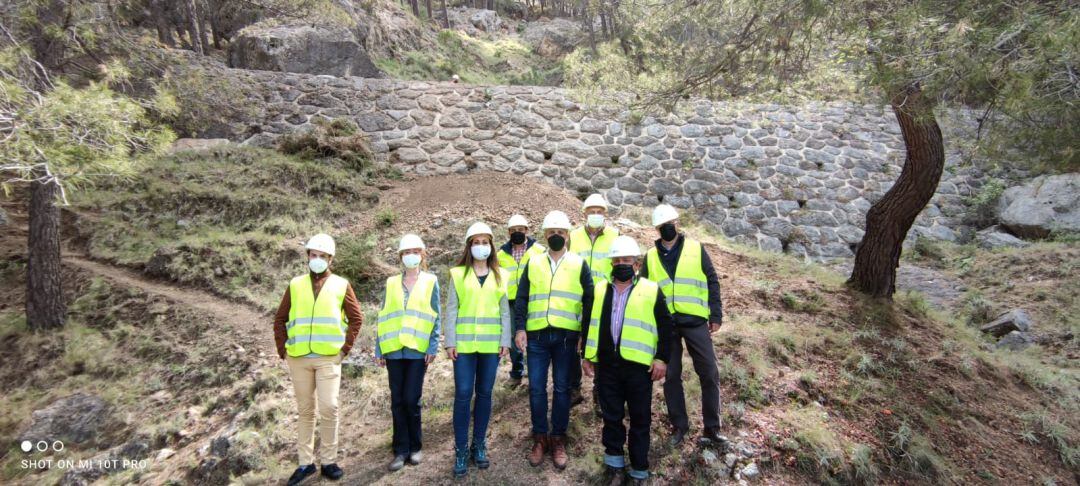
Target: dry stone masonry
(786,178)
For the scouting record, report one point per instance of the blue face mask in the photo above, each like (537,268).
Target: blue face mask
(411,260)
(318,265)
(481,252)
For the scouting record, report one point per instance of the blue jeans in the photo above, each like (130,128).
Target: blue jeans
(555,348)
(473,372)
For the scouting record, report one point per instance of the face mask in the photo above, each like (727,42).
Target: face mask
(412,260)
(317,265)
(668,232)
(517,237)
(556,242)
(481,252)
(595,220)
(623,272)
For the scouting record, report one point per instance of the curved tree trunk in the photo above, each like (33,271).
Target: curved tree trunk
(45,308)
(888,221)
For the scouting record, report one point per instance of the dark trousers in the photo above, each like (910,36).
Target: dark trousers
(474,375)
(556,348)
(699,344)
(625,387)
(575,371)
(517,358)
(406,383)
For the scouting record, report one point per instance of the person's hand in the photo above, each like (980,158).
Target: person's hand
(586,368)
(381,362)
(503,351)
(658,369)
(521,340)
(713,327)
(428,358)
(451,353)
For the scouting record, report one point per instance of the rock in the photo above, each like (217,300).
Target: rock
(553,38)
(750,471)
(74,419)
(301,49)
(1043,206)
(993,237)
(164,454)
(1013,320)
(197,144)
(4,217)
(1015,341)
(473,21)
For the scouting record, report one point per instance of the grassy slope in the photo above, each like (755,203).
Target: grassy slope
(832,387)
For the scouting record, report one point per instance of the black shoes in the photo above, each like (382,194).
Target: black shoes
(712,438)
(332,472)
(677,437)
(302,473)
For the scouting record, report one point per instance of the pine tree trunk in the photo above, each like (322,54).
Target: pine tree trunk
(45,308)
(445,16)
(415,4)
(430,14)
(888,221)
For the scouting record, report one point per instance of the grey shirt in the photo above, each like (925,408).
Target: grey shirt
(449,316)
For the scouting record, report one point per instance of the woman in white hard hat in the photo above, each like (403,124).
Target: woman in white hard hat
(315,327)
(407,341)
(513,256)
(477,336)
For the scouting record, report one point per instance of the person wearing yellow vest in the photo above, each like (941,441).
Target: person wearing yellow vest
(406,341)
(591,242)
(627,343)
(513,256)
(685,273)
(554,299)
(477,337)
(315,327)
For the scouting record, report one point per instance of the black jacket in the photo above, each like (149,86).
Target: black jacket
(521,301)
(606,352)
(670,259)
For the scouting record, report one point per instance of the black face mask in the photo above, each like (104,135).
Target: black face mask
(517,237)
(668,232)
(556,242)
(623,272)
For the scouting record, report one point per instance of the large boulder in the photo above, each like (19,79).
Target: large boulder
(554,38)
(1043,206)
(74,419)
(474,21)
(301,49)
(1013,320)
(993,237)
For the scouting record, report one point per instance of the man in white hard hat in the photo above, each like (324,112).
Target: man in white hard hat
(591,242)
(513,256)
(686,275)
(554,300)
(315,327)
(628,339)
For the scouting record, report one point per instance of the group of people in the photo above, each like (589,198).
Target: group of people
(582,302)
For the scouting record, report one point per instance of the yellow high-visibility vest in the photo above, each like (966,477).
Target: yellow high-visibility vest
(555,300)
(688,292)
(316,324)
(595,253)
(479,318)
(516,269)
(406,325)
(639,335)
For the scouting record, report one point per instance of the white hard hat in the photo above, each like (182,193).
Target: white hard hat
(624,246)
(595,201)
(321,242)
(517,220)
(410,242)
(556,220)
(478,228)
(664,213)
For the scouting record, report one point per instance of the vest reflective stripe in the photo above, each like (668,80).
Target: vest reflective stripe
(479,319)
(514,269)
(555,300)
(594,253)
(406,325)
(316,323)
(688,292)
(638,336)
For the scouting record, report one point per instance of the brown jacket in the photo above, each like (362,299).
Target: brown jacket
(351,306)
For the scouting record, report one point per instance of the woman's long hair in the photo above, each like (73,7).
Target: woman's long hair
(466,259)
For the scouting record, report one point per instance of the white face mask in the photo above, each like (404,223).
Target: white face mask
(412,260)
(317,265)
(595,220)
(481,252)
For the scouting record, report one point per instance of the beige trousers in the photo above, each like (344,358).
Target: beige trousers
(316,382)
